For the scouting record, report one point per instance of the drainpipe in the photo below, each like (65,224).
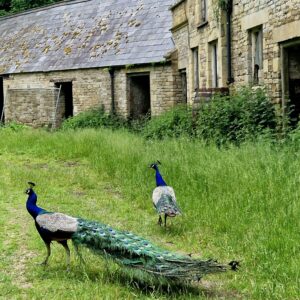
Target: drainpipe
(230,79)
(112,87)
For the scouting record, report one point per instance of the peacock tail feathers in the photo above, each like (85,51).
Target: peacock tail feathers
(167,206)
(164,200)
(133,251)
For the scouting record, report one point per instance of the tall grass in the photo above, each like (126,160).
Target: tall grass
(239,203)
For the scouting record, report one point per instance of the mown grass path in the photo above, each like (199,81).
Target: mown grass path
(240,203)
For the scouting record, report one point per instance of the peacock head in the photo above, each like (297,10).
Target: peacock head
(29,190)
(155,165)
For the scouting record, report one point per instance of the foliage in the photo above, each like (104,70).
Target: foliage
(94,118)
(174,123)
(138,125)
(222,4)
(246,114)
(14,126)
(14,6)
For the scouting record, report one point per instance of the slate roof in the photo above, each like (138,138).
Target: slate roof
(86,34)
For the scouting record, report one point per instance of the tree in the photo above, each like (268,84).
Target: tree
(5,6)
(14,6)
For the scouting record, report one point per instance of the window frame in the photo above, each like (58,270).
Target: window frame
(214,64)
(196,77)
(256,54)
(203,11)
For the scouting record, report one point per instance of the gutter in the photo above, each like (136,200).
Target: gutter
(172,7)
(230,79)
(111,71)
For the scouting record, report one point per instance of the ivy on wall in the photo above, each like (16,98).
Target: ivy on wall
(219,6)
(223,4)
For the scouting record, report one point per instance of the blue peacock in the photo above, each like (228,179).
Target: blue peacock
(163,197)
(125,248)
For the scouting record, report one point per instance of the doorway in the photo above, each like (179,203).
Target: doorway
(139,95)
(290,61)
(63,103)
(294,81)
(67,94)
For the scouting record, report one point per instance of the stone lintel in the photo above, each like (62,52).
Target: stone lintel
(286,32)
(255,19)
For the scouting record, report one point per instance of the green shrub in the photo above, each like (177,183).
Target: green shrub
(138,125)
(174,123)
(94,118)
(13,126)
(244,115)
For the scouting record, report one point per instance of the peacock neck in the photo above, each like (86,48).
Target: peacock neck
(31,206)
(159,180)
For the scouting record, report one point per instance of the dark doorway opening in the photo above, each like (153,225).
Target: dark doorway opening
(65,103)
(1,100)
(139,95)
(294,82)
(67,92)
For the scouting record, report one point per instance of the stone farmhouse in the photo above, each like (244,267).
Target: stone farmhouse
(65,58)
(227,43)
(141,56)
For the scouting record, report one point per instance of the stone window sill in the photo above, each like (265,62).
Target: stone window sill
(202,24)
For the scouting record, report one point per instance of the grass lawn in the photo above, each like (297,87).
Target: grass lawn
(238,203)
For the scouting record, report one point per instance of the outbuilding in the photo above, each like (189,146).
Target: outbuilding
(59,60)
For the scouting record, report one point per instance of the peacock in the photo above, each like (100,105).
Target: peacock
(125,248)
(163,197)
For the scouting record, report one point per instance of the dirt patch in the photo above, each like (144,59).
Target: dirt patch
(71,164)
(213,289)
(21,258)
(19,267)
(113,192)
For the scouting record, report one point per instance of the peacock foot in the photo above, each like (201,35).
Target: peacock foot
(159,221)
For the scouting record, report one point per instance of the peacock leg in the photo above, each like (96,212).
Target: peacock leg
(165,220)
(65,245)
(159,220)
(48,254)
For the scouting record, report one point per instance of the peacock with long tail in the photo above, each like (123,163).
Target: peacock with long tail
(125,248)
(163,197)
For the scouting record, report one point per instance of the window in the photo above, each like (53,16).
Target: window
(213,46)
(256,49)
(184,85)
(203,11)
(196,68)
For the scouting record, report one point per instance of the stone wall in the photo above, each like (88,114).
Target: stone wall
(280,24)
(36,93)
(191,33)
(31,98)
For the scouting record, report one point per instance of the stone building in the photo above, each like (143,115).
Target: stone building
(62,59)
(228,42)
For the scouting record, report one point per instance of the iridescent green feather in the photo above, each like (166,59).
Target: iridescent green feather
(135,252)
